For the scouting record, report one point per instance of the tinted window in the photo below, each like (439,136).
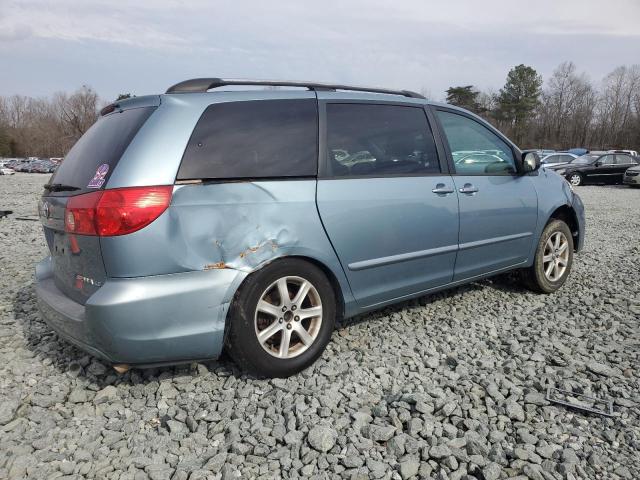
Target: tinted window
(566,158)
(103,144)
(606,160)
(624,160)
(476,150)
(254,139)
(553,159)
(379,140)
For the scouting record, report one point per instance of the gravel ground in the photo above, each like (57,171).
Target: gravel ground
(450,386)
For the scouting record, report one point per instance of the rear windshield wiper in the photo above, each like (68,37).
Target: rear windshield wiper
(59,187)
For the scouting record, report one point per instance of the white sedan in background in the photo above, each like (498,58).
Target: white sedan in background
(558,158)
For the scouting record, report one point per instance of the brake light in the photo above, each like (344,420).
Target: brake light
(118,211)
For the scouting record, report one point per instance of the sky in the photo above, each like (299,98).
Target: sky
(145,46)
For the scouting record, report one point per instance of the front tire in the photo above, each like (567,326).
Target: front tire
(281,318)
(553,259)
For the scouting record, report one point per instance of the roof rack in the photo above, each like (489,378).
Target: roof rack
(195,85)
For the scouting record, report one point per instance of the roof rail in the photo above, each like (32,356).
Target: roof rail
(195,85)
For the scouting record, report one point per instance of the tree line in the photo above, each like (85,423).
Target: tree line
(568,110)
(47,127)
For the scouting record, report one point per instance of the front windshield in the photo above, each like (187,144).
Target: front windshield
(585,159)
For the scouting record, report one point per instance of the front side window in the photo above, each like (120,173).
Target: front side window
(379,140)
(476,150)
(253,139)
(552,159)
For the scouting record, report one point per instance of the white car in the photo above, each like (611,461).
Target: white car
(633,153)
(558,158)
(6,171)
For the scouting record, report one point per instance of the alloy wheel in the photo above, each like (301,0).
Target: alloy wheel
(555,258)
(575,179)
(288,317)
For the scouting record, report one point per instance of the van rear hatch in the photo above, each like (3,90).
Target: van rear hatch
(77,258)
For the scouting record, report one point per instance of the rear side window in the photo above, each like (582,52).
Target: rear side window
(94,157)
(253,139)
(379,140)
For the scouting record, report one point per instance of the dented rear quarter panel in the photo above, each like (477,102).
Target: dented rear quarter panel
(230,225)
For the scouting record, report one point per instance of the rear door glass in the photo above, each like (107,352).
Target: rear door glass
(253,139)
(368,140)
(98,151)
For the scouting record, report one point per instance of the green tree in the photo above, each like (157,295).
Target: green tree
(465,97)
(518,100)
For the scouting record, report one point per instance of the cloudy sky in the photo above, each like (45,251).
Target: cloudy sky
(47,46)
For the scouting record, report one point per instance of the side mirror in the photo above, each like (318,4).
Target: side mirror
(530,162)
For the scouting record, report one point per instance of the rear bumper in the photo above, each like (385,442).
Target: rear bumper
(146,320)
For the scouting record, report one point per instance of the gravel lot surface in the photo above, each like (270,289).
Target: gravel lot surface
(450,386)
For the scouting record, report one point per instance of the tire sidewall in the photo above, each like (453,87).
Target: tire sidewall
(545,284)
(242,339)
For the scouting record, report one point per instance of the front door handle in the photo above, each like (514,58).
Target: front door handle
(442,189)
(469,189)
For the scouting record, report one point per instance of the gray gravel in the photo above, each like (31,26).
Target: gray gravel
(450,386)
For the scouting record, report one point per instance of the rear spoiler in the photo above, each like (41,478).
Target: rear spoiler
(133,102)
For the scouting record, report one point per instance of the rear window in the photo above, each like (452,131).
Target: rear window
(253,139)
(93,158)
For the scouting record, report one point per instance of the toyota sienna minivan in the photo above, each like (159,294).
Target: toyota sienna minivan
(251,219)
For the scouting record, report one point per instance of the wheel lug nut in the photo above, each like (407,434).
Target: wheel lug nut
(284,309)
(280,320)
(293,307)
(288,326)
(297,318)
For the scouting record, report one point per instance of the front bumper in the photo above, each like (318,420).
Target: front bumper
(146,320)
(627,180)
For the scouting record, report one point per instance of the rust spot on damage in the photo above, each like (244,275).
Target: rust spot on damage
(274,246)
(215,266)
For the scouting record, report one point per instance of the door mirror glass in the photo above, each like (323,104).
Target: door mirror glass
(530,162)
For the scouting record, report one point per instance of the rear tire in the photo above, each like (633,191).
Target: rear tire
(281,318)
(575,179)
(553,259)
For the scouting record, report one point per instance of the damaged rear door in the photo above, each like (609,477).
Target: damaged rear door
(385,199)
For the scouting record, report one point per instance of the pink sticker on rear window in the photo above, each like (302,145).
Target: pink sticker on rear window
(98,179)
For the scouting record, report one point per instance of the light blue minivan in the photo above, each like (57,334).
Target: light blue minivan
(251,219)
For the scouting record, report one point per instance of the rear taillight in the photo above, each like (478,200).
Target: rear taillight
(118,211)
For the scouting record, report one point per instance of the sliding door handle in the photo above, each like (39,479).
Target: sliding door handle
(442,189)
(469,189)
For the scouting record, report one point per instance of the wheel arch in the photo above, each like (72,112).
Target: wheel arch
(328,272)
(568,215)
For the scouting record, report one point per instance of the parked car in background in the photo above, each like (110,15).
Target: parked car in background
(579,151)
(558,158)
(633,153)
(596,167)
(222,219)
(542,152)
(632,176)
(6,171)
